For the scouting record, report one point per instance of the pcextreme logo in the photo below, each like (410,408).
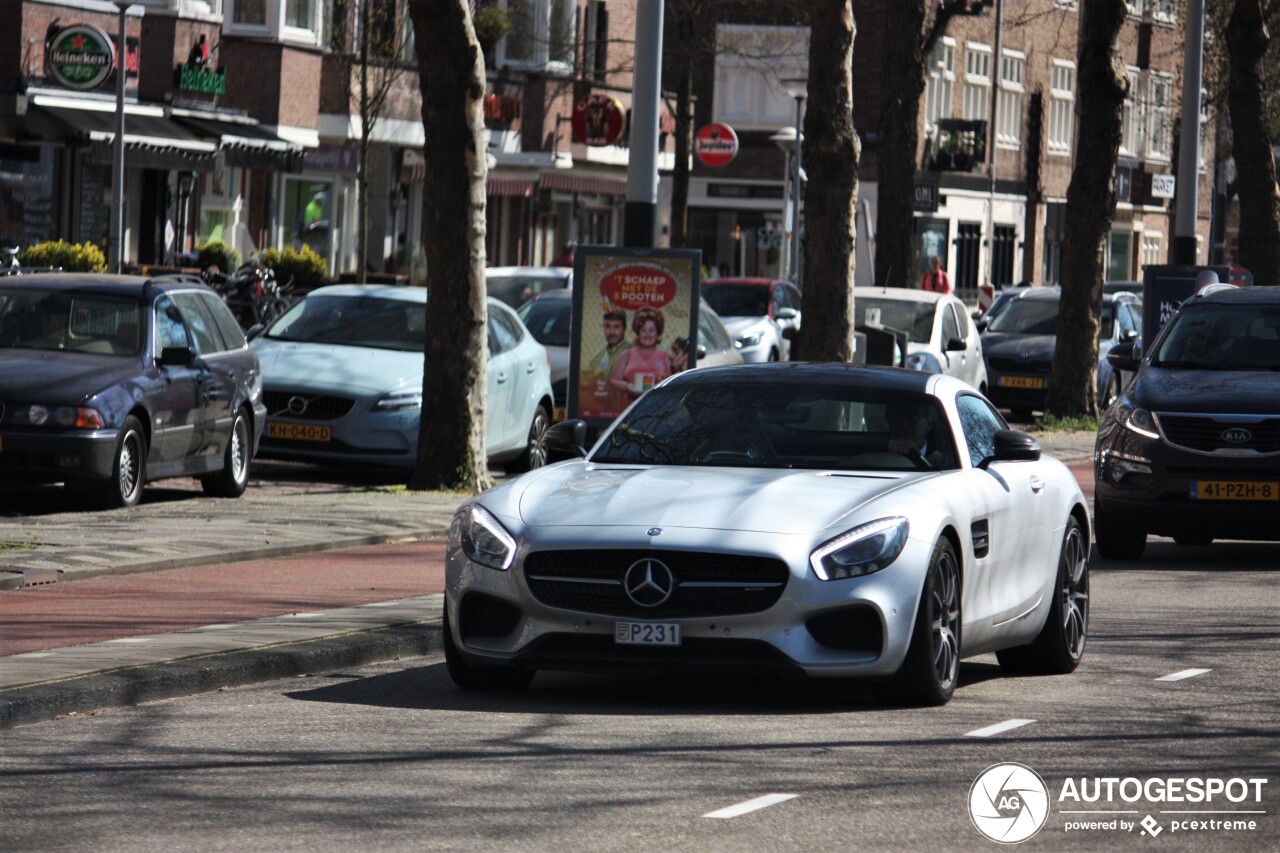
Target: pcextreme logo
(1009,803)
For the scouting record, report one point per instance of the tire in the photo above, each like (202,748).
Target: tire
(932,667)
(535,452)
(472,677)
(1117,538)
(128,469)
(1193,540)
(773,355)
(231,481)
(1058,647)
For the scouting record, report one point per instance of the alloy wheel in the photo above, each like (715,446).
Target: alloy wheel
(1075,593)
(945,601)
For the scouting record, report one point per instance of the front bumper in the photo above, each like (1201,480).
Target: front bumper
(29,456)
(361,436)
(853,627)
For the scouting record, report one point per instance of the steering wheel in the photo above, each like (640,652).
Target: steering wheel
(737,448)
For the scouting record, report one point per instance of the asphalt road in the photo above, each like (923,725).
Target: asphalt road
(393,756)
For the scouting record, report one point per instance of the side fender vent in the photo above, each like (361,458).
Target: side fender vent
(980,531)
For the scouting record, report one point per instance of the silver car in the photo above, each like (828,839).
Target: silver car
(828,520)
(941,337)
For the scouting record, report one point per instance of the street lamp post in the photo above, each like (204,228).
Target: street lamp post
(797,88)
(117,180)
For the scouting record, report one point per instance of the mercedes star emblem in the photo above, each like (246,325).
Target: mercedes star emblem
(649,582)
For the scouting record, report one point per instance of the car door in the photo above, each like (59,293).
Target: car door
(176,409)
(1010,524)
(217,376)
(502,380)
(959,363)
(527,359)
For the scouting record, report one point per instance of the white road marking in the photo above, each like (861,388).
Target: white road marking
(751,805)
(999,728)
(1186,673)
(132,640)
(303,615)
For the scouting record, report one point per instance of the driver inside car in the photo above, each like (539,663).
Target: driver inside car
(909,432)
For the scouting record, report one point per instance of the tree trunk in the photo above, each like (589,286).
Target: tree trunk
(903,80)
(1247,41)
(1091,204)
(451,442)
(830,156)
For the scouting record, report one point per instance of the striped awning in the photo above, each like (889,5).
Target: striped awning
(568,181)
(494,186)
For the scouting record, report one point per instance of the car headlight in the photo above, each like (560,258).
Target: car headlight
(80,417)
(750,340)
(864,550)
(925,361)
(483,538)
(1137,419)
(399,400)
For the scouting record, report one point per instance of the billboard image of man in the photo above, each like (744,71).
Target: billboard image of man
(602,363)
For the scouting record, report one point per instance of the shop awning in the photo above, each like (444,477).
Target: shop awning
(248,144)
(510,187)
(568,181)
(151,141)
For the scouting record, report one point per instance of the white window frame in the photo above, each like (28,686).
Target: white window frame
(275,26)
(749,94)
(1013,74)
(1131,117)
(1159,116)
(540,59)
(940,83)
(1152,248)
(1062,107)
(977,83)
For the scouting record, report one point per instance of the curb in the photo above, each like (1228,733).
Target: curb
(207,673)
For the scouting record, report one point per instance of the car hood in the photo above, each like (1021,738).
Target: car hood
(758,500)
(741,325)
(1010,345)
(1254,392)
(331,367)
(60,378)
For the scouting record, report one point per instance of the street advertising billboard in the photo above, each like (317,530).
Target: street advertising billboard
(1164,287)
(635,322)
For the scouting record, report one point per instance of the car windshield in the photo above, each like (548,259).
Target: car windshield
(548,320)
(1027,317)
(787,426)
(46,319)
(354,321)
(1214,336)
(737,300)
(906,315)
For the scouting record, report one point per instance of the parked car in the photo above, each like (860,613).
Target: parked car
(343,380)
(549,318)
(941,338)
(1019,344)
(517,285)
(108,383)
(762,314)
(770,520)
(1192,449)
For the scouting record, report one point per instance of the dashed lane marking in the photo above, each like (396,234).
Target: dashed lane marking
(999,728)
(1181,674)
(751,805)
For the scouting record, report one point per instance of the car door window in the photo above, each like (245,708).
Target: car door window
(950,326)
(203,327)
(711,334)
(1125,320)
(501,336)
(980,423)
(170,329)
(228,328)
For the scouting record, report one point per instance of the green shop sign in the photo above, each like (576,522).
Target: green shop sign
(81,57)
(206,81)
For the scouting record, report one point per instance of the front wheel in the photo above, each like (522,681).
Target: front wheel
(1058,647)
(129,467)
(535,452)
(932,668)
(470,676)
(231,481)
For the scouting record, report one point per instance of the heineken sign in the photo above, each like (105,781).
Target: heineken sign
(81,56)
(206,81)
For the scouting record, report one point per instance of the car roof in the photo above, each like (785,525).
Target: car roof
(116,285)
(381,291)
(1233,294)
(905,294)
(1054,293)
(549,272)
(744,281)
(811,372)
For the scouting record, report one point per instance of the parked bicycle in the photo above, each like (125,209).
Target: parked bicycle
(252,293)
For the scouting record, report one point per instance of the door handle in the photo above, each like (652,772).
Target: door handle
(502,377)
(530,367)
(1037,485)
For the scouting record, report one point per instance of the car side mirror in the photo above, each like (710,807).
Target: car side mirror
(786,314)
(956,345)
(1129,335)
(176,357)
(1012,446)
(702,352)
(1124,356)
(567,440)
(254,331)
(980,323)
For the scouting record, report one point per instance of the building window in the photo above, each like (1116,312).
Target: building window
(1009,110)
(1152,248)
(300,14)
(595,59)
(1062,106)
(1131,118)
(977,82)
(939,85)
(1159,115)
(1118,247)
(541,36)
(252,12)
(751,62)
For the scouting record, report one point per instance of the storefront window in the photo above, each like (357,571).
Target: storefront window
(308,207)
(26,195)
